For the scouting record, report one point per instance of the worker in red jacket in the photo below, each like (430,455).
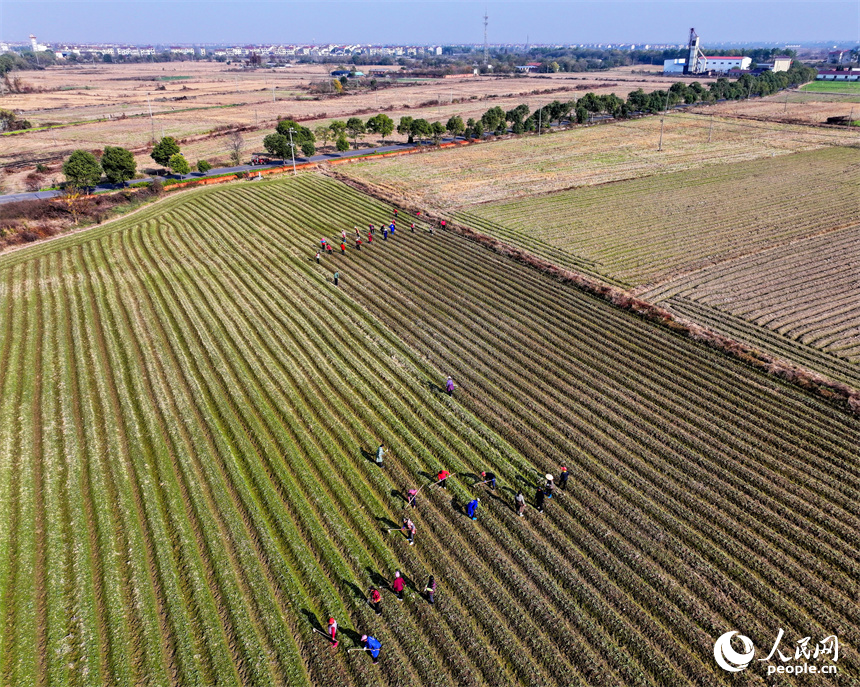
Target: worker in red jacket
(442,478)
(375,600)
(332,630)
(398,585)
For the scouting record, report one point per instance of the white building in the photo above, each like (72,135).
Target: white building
(674,66)
(721,65)
(724,64)
(839,75)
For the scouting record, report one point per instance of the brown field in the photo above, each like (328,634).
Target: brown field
(112,102)
(454,178)
(794,107)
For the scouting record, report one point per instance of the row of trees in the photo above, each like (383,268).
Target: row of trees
(84,170)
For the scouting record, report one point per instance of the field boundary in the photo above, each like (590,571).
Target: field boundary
(839,393)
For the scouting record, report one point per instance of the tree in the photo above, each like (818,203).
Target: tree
(203,166)
(494,120)
(356,128)
(308,148)
(404,128)
(235,144)
(277,144)
(437,130)
(179,164)
(337,128)
(76,200)
(341,143)
(118,164)
(455,126)
(323,133)
(420,128)
(382,125)
(301,134)
(166,148)
(82,169)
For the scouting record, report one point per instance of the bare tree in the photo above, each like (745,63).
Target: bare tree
(76,201)
(235,144)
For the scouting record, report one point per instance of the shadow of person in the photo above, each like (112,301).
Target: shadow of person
(312,619)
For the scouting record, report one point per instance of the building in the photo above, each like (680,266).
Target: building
(839,75)
(674,66)
(717,64)
(837,56)
(724,64)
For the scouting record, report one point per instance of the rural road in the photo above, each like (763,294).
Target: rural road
(40,195)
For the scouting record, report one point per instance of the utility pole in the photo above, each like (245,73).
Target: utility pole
(665,110)
(151,120)
(785,109)
(292,150)
(273,92)
(540,119)
(711,130)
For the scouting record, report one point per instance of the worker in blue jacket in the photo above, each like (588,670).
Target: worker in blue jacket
(472,509)
(372,645)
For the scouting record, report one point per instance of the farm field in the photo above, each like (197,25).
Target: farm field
(647,230)
(852,88)
(805,290)
(187,488)
(800,106)
(199,97)
(505,170)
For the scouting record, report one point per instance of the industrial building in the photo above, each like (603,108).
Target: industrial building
(706,64)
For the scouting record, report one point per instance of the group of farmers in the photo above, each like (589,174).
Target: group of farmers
(390,228)
(374,597)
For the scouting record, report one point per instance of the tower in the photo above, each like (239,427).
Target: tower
(486,50)
(695,57)
(33,44)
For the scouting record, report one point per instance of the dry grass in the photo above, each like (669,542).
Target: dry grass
(526,166)
(794,107)
(216,96)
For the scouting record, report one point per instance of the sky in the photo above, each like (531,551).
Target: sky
(429,22)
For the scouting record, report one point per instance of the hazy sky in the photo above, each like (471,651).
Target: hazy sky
(428,21)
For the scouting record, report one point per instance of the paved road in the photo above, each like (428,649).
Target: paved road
(39,195)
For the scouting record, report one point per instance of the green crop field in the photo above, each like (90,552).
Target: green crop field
(187,489)
(850,88)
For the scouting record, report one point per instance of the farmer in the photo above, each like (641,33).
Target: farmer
(343,234)
(322,243)
(332,630)
(490,478)
(328,248)
(391,227)
(395,213)
(357,235)
(372,645)
(443,223)
(549,487)
(409,529)
(430,590)
(472,508)
(442,478)
(398,585)
(413,496)
(375,600)
(371,228)
(336,277)
(379,453)
(370,237)
(539,500)
(562,478)
(318,257)
(520,503)
(449,386)
(358,244)
(342,248)
(384,233)
(412,227)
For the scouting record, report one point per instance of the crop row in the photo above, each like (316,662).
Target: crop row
(645,230)
(191,478)
(803,291)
